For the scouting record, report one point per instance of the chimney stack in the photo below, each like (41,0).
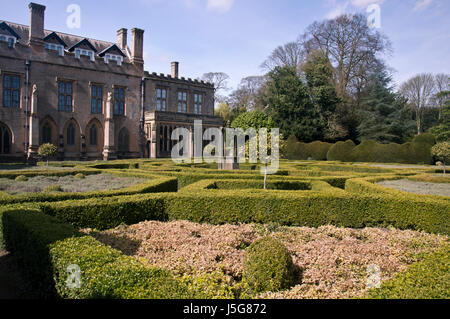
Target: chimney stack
(36,32)
(175,69)
(137,49)
(122,38)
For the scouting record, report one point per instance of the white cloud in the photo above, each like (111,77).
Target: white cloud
(422,4)
(221,6)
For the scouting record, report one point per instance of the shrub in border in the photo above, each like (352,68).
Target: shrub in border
(46,247)
(268,266)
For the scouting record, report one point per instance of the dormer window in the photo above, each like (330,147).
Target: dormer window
(8,34)
(55,47)
(80,52)
(84,47)
(7,38)
(113,57)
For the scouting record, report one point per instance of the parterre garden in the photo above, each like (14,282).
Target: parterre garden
(191,231)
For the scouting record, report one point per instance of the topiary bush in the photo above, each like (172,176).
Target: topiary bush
(442,152)
(268,266)
(52,188)
(80,176)
(317,150)
(21,178)
(341,151)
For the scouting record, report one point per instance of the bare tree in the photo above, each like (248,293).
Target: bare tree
(220,80)
(419,90)
(352,47)
(246,95)
(442,82)
(290,54)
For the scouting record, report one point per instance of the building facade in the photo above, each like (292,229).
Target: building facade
(92,99)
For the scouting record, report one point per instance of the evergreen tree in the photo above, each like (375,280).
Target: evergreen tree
(442,131)
(384,116)
(290,107)
(319,73)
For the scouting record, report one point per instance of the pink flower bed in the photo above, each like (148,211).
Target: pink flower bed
(333,260)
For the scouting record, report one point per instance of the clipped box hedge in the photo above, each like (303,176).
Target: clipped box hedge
(292,208)
(45,247)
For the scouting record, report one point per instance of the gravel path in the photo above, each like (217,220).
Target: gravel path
(442,189)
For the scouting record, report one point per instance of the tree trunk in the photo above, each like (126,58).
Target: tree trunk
(265,176)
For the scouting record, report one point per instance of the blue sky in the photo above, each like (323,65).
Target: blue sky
(235,36)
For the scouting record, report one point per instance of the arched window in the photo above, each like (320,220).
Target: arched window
(93,135)
(71,134)
(46,134)
(5,140)
(124,140)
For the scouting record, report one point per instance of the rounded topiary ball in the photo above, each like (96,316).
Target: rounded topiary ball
(21,178)
(268,266)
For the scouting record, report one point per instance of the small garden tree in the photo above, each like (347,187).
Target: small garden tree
(442,152)
(47,151)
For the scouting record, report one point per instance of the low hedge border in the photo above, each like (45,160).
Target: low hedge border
(426,279)
(290,208)
(185,179)
(45,247)
(258,185)
(157,185)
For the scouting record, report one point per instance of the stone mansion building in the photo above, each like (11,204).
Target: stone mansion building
(90,98)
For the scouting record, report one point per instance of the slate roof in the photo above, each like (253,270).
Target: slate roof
(70,40)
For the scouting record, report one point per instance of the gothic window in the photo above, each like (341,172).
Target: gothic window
(198,103)
(182,101)
(65,96)
(71,134)
(93,135)
(119,101)
(46,134)
(5,140)
(96,99)
(124,140)
(11,90)
(161,99)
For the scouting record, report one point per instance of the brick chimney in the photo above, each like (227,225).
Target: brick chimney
(137,49)
(36,31)
(175,69)
(122,38)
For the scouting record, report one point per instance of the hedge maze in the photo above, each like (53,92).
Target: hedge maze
(43,229)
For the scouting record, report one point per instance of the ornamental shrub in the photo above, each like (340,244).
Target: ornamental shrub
(317,150)
(52,188)
(341,151)
(268,266)
(442,152)
(21,178)
(47,151)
